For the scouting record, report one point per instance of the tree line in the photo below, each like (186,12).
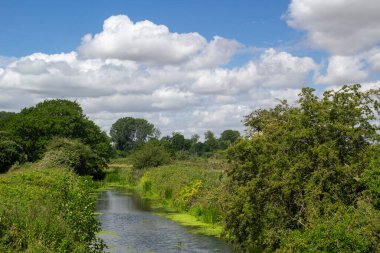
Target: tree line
(58,128)
(128,134)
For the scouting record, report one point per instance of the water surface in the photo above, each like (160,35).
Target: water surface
(130,226)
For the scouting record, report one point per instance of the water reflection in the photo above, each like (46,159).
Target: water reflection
(129,226)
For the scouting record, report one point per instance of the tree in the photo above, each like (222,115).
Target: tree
(228,137)
(10,152)
(303,178)
(179,142)
(211,143)
(128,133)
(35,126)
(4,117)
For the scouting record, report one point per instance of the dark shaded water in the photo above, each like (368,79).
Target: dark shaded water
(130,226)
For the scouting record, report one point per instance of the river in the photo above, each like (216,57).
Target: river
(129,225)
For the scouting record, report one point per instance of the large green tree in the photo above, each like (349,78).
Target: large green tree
(304,178)
(35,126)
(128,133)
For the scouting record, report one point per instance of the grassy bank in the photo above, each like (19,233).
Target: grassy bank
(190,191)
(47,210)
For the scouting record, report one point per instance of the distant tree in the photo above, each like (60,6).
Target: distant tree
(179,142)
(151,154)
(35,126)
(211,143)
(128,133)
(228,137)
(194,138)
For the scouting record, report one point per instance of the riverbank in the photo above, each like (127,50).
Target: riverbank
(187,192)
(47,210)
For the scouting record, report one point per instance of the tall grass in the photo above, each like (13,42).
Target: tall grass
(47,210)
(187,187)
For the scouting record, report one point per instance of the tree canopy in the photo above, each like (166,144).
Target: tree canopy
(33,127)
(304,177)
(128,133)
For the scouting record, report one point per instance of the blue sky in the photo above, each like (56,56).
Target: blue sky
(186,66)
(57,26)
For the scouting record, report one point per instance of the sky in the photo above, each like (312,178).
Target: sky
(185,66)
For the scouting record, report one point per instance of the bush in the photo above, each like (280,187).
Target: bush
(68,153)
(301,172)
(150,155)
(47,210)
(10,152)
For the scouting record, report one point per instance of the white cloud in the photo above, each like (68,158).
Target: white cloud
(338,26)
(218,52)
(179,82)
(142,41)
(344,70)
(272,70)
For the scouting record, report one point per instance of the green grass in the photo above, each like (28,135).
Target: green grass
(189,192)
(47,210)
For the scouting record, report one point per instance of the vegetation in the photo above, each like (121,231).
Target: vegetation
(304,178)
(68,153)
(151,154)
(10,152)
(47,210)
(307,177)
(192,191)
(25,135)
(34,127)
(128,133)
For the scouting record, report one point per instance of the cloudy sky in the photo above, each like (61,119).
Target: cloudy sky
(187,66)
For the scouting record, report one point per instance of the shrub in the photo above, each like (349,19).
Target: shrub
(68,153)
(47,210)
(10,152)
(150,155)
(302,165)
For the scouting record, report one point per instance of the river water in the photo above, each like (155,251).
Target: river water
(129,225)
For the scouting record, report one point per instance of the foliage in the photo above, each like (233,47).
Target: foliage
(35,126)
(68,153)
(128,133)
(211,143)
(303,174)
(150,155)
(228,137)
(4,118)
(10,152)
(47,210)
(190,187)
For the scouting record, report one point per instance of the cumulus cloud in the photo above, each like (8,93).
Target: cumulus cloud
(142,41)
(272,70)
(180,82)
(344,70)
(338,26)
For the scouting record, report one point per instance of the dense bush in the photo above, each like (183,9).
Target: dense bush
(150,155)
(68,153)
(10,152)
(306,178)
(47,210)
